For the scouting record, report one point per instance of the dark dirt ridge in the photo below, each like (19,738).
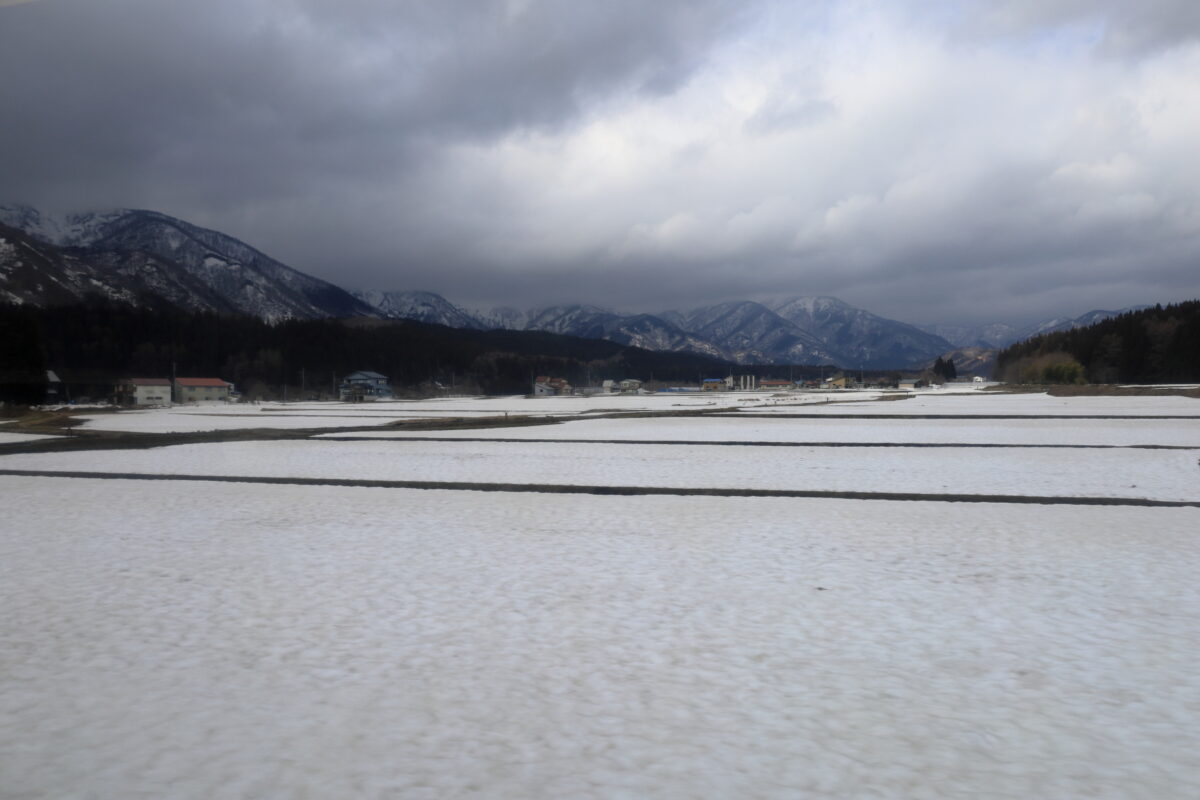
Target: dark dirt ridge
(707,443)
(1095,390)
(64,425)
(622,491)
(70,438)
(750,414)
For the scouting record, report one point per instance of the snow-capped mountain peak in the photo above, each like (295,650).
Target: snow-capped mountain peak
(65,230)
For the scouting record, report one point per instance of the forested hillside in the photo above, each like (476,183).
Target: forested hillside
(93,344)
(1153,345)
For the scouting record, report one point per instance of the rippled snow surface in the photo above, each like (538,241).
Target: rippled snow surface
(175,639)
(1153,474)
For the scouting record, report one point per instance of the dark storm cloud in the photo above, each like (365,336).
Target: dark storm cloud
(256,101)
(920,160)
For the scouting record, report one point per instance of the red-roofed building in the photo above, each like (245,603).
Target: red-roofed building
(196,390)
(544,386)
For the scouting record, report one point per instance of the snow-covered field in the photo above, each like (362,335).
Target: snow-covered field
(13,438)
(196,418)
(201,640)
(221,416)
(968,402)
(1152,474)
(1032,431)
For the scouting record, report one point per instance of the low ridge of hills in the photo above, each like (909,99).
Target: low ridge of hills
(145,258)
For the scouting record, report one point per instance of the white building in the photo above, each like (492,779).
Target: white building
(197,390)
(144,392)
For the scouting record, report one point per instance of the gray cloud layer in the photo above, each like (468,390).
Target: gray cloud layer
(1012,161)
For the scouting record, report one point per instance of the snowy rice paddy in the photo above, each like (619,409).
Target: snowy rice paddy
(180,638)
(13,438)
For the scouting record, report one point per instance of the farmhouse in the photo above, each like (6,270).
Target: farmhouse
(544,386)
(195,390)
(775,384)
(364,385)
(144,392)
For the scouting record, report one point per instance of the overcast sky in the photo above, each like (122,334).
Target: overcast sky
(931,162)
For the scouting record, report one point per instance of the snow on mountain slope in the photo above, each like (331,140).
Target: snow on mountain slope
(752,333)
(859,336)
(253,282)
(71,230)
(647,331)
(638,330)
(36,273)
(1001,334)
(194,267)
(994,335)
(503,317)
(1070,323)
(419,306)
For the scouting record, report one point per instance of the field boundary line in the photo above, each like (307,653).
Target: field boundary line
(620,491)
(705,443)
(755,415)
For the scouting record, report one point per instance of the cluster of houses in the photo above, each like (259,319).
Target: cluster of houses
(355,387)
(366,385)
(165,392)
(545,386)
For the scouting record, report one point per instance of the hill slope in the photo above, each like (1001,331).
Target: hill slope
(123,254)
(1153,345)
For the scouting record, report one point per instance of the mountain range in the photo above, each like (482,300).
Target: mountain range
(998,335)
(794,330)
(144,257)
(136,256)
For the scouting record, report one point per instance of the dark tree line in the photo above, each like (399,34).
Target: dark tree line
(1154,345)
(945,369)
(94,344)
